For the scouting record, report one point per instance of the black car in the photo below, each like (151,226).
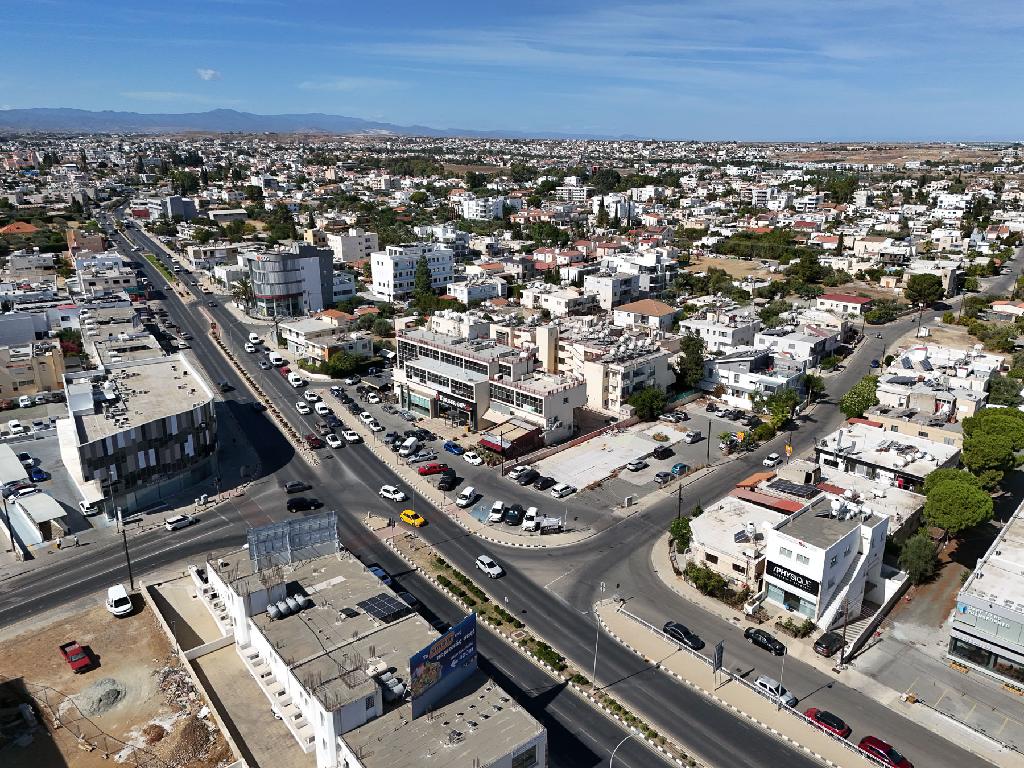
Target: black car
(764,640)
(303,504)
(662,452)
(514,515)
(828,644)
(296,486)
(448,481)
(543,482)
(528,477)
(682,634)
(333,421)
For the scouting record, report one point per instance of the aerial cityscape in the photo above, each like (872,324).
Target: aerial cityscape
(579,387)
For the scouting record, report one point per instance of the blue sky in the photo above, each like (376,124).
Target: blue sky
(792,69)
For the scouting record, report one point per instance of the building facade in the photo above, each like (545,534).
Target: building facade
(290,281)
(393,271)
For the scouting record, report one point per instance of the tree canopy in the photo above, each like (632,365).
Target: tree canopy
(649,403)
(924,289)
(918,557)
(989,456)
(690,365)
(861,396)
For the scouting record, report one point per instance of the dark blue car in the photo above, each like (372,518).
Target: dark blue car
(455,448)
(37,475)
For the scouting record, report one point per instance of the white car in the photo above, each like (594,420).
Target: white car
(118,601)
(775,691)
(489,567)
(691,436)
(351,380)
(392,493)
(471,457)
(250,347)
(366,417)
(179,521)
(497,513)
(772,460)
(351,436)
(375,426)
(636,465)
(88,509)
(24,401)
(333,441)
(310,396)
(303,408)
(373,398)
(515,472)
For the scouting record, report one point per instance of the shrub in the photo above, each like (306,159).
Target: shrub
(764,432)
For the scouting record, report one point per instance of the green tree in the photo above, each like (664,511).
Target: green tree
(649,403)
(779,406)
(814,385)
(919,557)
(419,197)
(383,328)
(956,505)
(185,182)
(606,180)
(947,475)
(988,456)
(924,289)
(602,215)
(690,363)
(1003,390)
(341,363)
(422,286)
(680,534)
(861,396)
(1008,422)
(242,292)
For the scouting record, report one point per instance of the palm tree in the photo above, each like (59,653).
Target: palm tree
(242,293)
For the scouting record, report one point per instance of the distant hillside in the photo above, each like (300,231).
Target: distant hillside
(64,120)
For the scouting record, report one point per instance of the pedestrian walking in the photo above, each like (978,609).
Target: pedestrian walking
(76,540)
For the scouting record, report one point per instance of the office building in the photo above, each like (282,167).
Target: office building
(393,271)
(290,280)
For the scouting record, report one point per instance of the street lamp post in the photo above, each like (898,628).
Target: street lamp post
(782,672)
(611,760)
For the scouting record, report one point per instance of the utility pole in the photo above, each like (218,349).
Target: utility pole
(679,501)
(846,623)
(127,559)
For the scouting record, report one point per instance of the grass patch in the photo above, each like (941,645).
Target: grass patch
(160,266)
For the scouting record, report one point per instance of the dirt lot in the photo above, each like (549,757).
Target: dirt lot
(892,153)
(735,267)
(137,704)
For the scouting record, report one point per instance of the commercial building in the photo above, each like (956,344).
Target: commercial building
(27,369)
(290,281)
(393,271)
(139,431)
(316,339)
(359,679)
(211,255)
(102,274)
(987,630)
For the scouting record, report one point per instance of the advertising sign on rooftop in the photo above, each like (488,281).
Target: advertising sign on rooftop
(442,665)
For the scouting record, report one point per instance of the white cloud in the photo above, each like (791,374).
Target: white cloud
(208,74)
(347,84)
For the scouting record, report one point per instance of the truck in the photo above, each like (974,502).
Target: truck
(76,656)
(533,521)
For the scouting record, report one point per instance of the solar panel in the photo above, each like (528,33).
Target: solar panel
(384,607)
(794,489)
(927,365)
(907,364)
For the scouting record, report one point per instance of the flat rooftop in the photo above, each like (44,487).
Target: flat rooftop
(135,393)
(904,453)
(480,349)
(480,720)
(817,527)
(999,575)
(445,369)
(717,528)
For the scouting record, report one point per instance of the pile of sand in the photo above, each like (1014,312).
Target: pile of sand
(101,696)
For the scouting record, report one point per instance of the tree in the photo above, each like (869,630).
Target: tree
(779,406)
(988,456)
(861,396)
(606,180)
(242,292)
(918,557)
(924,289)
(680,534)
(1003,390)
(185,182)
(1008,422)
(956,505)
(419,197)
(422,286)
(814,385)
(475,180)
(383,328)
(947,475)
(602,215)
(649,403)
(690,363)
(341,363)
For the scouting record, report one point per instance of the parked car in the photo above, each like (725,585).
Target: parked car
(543,482)
(561,490)
(310,396)
(681,633)
(636,465)
(303,504)
(118,601)
(374,426)
(691,436)
(515,472)
(179,521)
(775,691)
(366,417)
(296,486)
(248,347)
(38,475)
(351,380)
(829,722)
(489,567)
(423,456)
(448,480)
(514,515)
(772,460)
(472,457)
(466,497)
(453,447)
(392,493)
(76,656)
(497,513)
(828,644)
(373,398)
(380,573)
(434,468)
(662,452)
(24,401)
(883,752)
(333,441)
(527,477)
(764,640)
(413,518)
(679,469)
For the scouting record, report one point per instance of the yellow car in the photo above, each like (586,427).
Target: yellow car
(414,519)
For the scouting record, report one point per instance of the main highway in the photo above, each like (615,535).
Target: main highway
(551,590)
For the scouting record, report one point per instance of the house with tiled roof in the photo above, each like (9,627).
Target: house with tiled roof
(19,228)
(844,303)
(649,313)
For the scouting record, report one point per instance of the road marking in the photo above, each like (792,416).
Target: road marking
(559,578)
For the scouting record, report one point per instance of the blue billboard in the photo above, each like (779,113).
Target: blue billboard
(442,665)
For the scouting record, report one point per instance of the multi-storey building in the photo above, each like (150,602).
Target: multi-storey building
(393,271)
(612,288)
(348,246)
(559,302)
(290,281)
(723,331)
(27,369)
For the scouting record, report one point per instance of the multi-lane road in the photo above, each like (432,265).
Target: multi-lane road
(552,590)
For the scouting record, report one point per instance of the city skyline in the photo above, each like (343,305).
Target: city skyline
(876,71)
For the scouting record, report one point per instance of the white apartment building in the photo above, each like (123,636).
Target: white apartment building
(723,331)
(808,345)
(482,208)
(210,255)
(393,270)
(617,205)
(572,193)
(102,274)
(648,313)
(655,268)
(747,373)
(559,302)
(316,339)
(612,288)
(343,285)
(477,289)
(351,246)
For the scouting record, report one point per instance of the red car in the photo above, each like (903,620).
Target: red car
(313,441)
(883,752)
(284,370)
(432,469)
(829,722)
(76,656)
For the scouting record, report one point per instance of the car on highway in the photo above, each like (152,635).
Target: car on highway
(76,656)
(310,396)
(489,567)
(434,468)
(333,440)
(264,365)
(875,364)
(392,493)
(452,447)
(828,644)
(380,573)
(764,640)
(211,303)
(829,722)
(771,460)
(527,477)
(472,457)
(321,408)
(351,436)
(682,634)
(38,475)
(313,441)
(497,513)
(515,472)
(883,752)
(303,504)
(774,690)
(543,482)
(248,347)
(413,518)
(119,603)
(179,521)
(636,465)
(296,486)
(303,408)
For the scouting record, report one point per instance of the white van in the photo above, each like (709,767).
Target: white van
(531,522)
(294,379)
(275,359)
(118,601)
(466,497)
(16,427)
(561,490)
(409,447)
(321,408)
(254,338)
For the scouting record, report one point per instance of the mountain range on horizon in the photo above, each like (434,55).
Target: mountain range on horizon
(68,120)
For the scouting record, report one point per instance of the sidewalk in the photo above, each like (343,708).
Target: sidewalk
(936,720)
(730,692)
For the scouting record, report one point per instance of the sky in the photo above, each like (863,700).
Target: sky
(689,69)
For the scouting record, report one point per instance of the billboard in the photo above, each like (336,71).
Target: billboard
(794,579)
(442,665)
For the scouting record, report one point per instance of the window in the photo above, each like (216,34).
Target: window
(894,428)
(371,702)
(526,759)
(710,558)
(922,433)
(739,568)
(831,582)
(785,552)
(803,559)
(832,562)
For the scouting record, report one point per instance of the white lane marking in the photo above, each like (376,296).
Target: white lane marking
(559,578)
